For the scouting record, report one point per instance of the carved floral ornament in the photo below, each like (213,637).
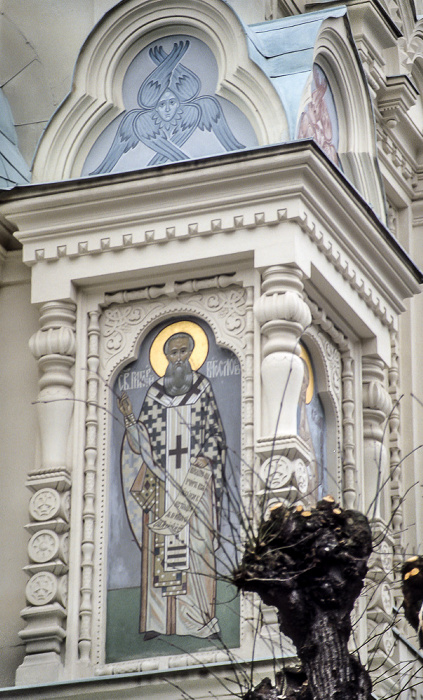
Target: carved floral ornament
(47,504)
(121,323)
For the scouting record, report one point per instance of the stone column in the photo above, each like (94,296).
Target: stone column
(377,405)
(283,477)
(46,592)
(283,315)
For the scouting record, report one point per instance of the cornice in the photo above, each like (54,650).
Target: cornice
(7,239)
(250,192)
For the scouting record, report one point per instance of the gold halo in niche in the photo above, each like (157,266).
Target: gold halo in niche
(158,359)
(310,387)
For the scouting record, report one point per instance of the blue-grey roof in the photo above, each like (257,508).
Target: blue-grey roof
(13,168)
(284,49)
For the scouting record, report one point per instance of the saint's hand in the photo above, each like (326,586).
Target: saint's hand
(124,404)
(201,462)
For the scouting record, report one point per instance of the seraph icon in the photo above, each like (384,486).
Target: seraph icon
(170,111)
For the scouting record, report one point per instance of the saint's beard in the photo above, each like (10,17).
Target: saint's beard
(178,378)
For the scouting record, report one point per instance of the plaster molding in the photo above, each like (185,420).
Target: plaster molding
(89,519)
(54,347)
(360,283)
(96,98)
(395,451)
(283,315)
(396,154)
(120,324)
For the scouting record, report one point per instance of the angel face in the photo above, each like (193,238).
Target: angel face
(167,105)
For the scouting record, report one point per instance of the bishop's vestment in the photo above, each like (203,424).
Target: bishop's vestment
(172,499)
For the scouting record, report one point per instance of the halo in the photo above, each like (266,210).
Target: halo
(158,359)
(310,387)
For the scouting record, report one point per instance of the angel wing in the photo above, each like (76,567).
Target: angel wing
(213,119)
(149,131)
(186,125)
(159,79)
(125,139)
(184,83)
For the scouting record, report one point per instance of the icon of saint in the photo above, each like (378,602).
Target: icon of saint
(172,462)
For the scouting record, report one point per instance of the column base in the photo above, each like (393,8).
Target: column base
(38,669)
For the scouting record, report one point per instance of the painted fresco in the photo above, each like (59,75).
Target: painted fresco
(173,496)
(172,113)
(312,429)
(319,119)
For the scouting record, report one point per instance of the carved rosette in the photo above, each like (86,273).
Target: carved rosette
(54,348)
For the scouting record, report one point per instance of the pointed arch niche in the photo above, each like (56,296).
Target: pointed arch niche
(97,95)
(353,146)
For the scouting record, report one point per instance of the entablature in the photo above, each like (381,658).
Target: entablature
(288,199)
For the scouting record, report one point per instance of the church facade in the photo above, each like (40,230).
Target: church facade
(210,222)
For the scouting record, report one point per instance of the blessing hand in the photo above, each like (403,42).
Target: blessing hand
(124,404)
(201,462)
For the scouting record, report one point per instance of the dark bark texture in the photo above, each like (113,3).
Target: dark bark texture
(310,565)
(412,589)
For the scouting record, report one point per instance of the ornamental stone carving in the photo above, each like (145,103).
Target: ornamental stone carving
(283,316)
(43,546)
(41,589)
(46,545)
(376,406)
(44,504)
(276,473)
(54,347)
(47,504)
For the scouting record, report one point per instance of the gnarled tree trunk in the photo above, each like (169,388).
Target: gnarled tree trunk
(311,566)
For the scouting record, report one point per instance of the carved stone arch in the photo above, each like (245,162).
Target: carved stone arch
(408,12)
(413,60)
(337,57)
(225,314)
(96,97)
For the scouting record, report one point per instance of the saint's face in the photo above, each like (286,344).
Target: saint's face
(178,350)
(167,106)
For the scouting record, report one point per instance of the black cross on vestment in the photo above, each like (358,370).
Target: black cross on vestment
(178,451)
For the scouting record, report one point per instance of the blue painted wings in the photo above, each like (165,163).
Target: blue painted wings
(166,137)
